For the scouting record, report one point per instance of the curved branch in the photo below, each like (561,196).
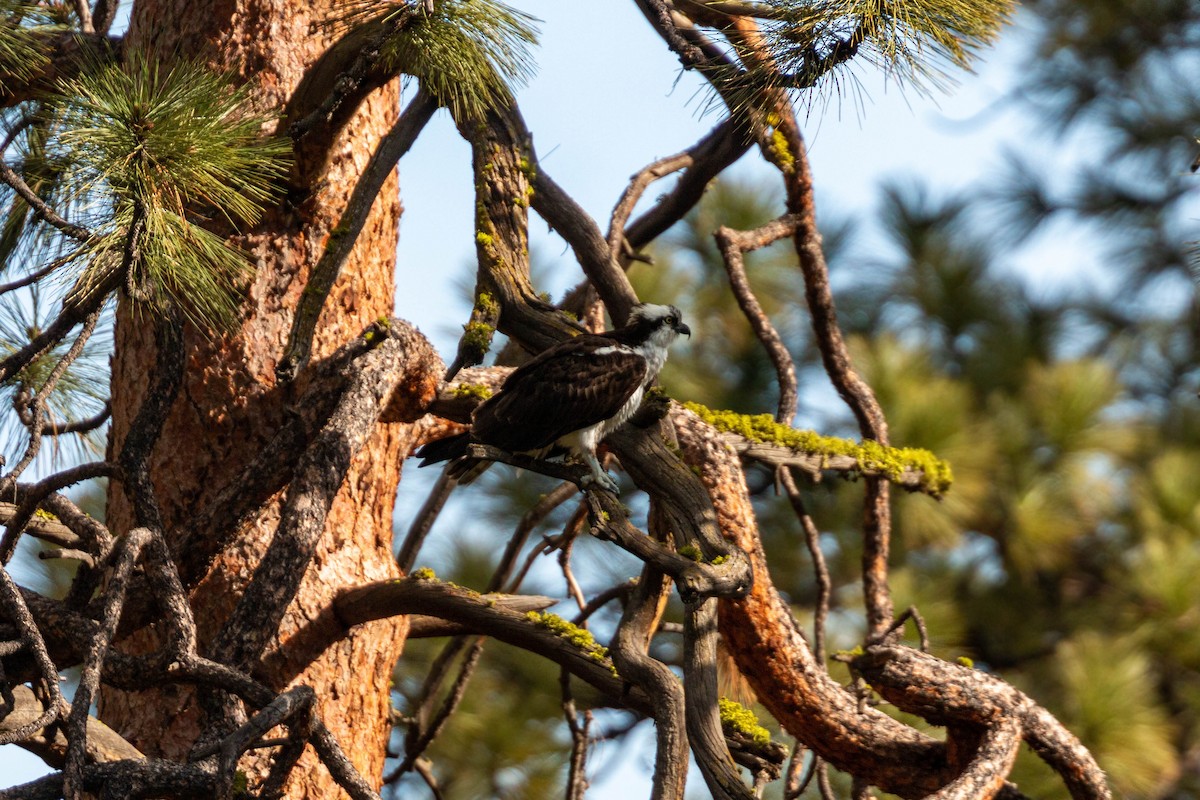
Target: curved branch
(733,245)
(954,695)
(668,707)
(724,145)
(772,653)
(479,614)
(985,776)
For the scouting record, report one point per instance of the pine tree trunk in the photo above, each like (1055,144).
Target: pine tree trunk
(230,403)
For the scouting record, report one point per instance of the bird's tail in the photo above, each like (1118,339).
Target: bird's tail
(454,449)
(444,449)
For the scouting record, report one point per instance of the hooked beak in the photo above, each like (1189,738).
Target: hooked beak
(684,329)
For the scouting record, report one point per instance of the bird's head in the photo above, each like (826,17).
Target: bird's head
(659,319)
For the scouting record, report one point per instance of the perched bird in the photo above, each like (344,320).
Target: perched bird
(570,396)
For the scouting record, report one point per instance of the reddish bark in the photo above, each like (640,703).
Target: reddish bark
(230,403)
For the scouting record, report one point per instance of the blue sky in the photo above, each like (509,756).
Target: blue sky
(609,99)
(593,131)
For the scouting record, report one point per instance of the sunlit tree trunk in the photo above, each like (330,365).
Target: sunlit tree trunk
(230,402)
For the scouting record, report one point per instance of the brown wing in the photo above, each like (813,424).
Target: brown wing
(565,389)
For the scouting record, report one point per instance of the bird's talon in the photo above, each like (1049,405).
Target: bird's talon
(602,481)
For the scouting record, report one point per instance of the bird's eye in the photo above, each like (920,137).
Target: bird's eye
(671,320)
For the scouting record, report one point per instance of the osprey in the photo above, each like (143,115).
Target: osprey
(569,396)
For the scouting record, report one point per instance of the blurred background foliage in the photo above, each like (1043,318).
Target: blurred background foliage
(1065,556)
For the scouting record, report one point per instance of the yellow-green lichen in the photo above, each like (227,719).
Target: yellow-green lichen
(528,168)
(472,390)
(783,154)
(870,456)
(966,661)
(736,718)
(423,574)
(719,560)
(486,304)
(690,551)
(478,335)
(580,637)
(42,513)
(483,238)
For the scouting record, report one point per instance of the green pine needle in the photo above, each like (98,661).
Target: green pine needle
(25,30)
(470,54)
(913,40)
(176,142)
(81,390)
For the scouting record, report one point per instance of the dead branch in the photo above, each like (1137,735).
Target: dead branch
(103,744)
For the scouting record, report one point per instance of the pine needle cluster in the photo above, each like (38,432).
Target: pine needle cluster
(159,158)
(24,30)
(913,40)
(470,54)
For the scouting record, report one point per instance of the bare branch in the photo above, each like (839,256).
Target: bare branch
(577,782)
(703,717)
(733,244)
(34,494)
(415,746)
(529,520)
(78,426)
(629,647)
(103,744)
(17,613)
(423,521)
(41,209)
(812,540)
(125,555)
(388,152)
(695,579)
(38,402)
(318,479)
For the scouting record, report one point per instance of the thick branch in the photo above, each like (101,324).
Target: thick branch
(405,356)
(103,744)
(703,715)
(479,614)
